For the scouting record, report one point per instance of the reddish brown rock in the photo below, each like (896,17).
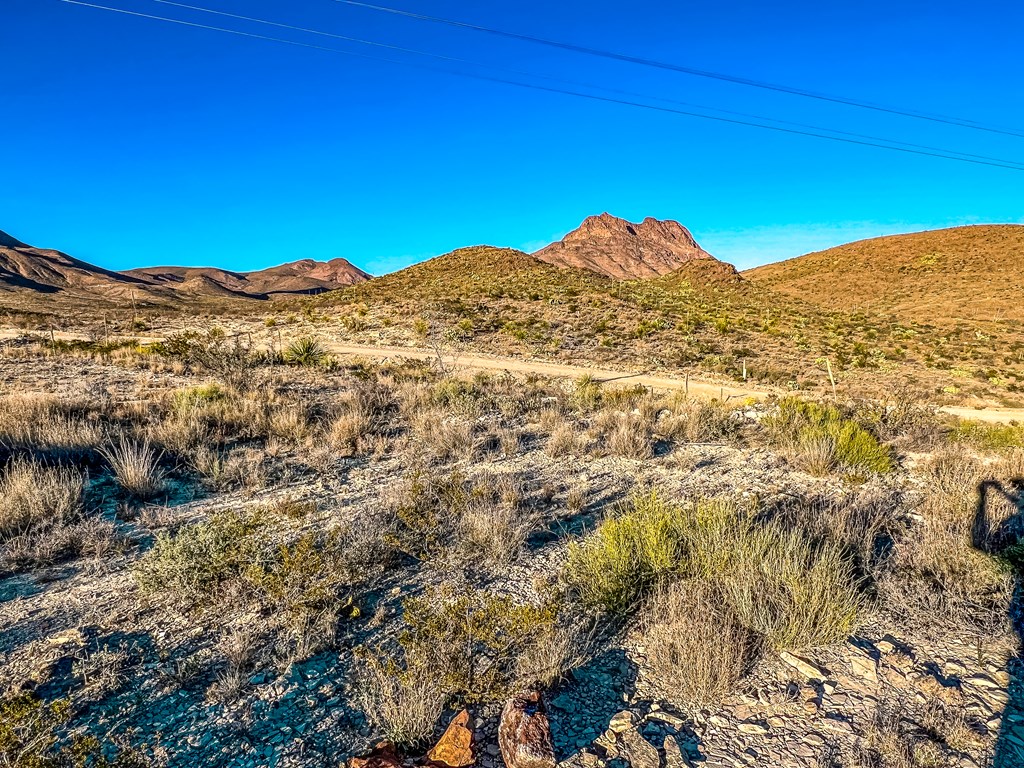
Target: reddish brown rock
(625,251)
(455,749)
(524,734)
(382,756)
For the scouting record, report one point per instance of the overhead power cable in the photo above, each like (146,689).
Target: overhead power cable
(574,83)
(725,77)
(998,163)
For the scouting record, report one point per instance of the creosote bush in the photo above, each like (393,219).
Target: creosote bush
(821,439)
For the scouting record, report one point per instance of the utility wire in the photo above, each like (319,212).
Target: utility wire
(605,54)
(575,83)
(533,86)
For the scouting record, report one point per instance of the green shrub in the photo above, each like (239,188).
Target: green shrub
(993,437)
(778,583)
(612,568)
(823,439)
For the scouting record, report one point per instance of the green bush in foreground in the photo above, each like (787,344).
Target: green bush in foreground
(791,592)
(822,439)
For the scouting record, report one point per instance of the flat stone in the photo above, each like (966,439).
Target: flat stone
(623,721)
(806,668)
(753,729)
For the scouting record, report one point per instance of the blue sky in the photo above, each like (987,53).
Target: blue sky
(131,142)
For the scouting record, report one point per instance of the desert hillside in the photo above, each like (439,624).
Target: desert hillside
(963,274)
(28,275)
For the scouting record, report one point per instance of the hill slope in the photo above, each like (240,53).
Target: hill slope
(961,274)
(27,273)
(625,251)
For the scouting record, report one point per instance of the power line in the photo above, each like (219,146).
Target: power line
(1011,165)
(605,54)
(620,92)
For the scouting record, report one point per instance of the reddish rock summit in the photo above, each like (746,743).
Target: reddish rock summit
(625,251)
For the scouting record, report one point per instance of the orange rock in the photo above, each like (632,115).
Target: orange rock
(382,756)
(455,749)
(524,734)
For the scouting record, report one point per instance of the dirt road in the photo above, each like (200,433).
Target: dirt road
(472,362)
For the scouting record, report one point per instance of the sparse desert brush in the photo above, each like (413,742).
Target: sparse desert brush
(942,569)
(441,438)
(34,496)
(613,567)
(777,583)
(587,394)
(136,466)
(627,435)
(565,440)
(47,426)
(821,439)
(696,647)
(305,351)
(691,420)
(403,703)
(472,639)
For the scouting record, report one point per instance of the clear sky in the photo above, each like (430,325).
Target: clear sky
(129,142)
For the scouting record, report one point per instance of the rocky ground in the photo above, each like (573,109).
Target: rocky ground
(146,673)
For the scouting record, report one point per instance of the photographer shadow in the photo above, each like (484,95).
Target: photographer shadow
(1006,539)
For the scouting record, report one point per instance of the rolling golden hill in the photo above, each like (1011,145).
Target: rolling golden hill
(942,277)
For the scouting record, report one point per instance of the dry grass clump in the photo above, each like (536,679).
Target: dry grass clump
(685,419)
(34,496)
(944,567)
(696,648)
(47,426)
(136,466)
(403,704)
(484,520)
(441,438)
(627,435)
(792,592)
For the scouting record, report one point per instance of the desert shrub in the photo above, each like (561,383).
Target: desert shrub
(34,496)
(623,434)
(32,736)
(992,437)
(306,351)
(441,438)
(627,554)
(136,466)
(822,439)
(586,395)
(472,639)
(696,647)
(565,440)
(691,420)
(402,703)
(48,427)
(446,516)
(231,359)
(201,557)
(791,591)
(941,569)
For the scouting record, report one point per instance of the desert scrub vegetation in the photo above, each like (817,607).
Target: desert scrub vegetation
(989,437)
(437,516)
(821,440)
(31,736)
(461,645)
(953,566)
(789,591)
(48,427)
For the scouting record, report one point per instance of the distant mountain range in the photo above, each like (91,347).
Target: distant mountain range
(964,272)
(24,268)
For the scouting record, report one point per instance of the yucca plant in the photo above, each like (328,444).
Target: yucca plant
(306,351)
